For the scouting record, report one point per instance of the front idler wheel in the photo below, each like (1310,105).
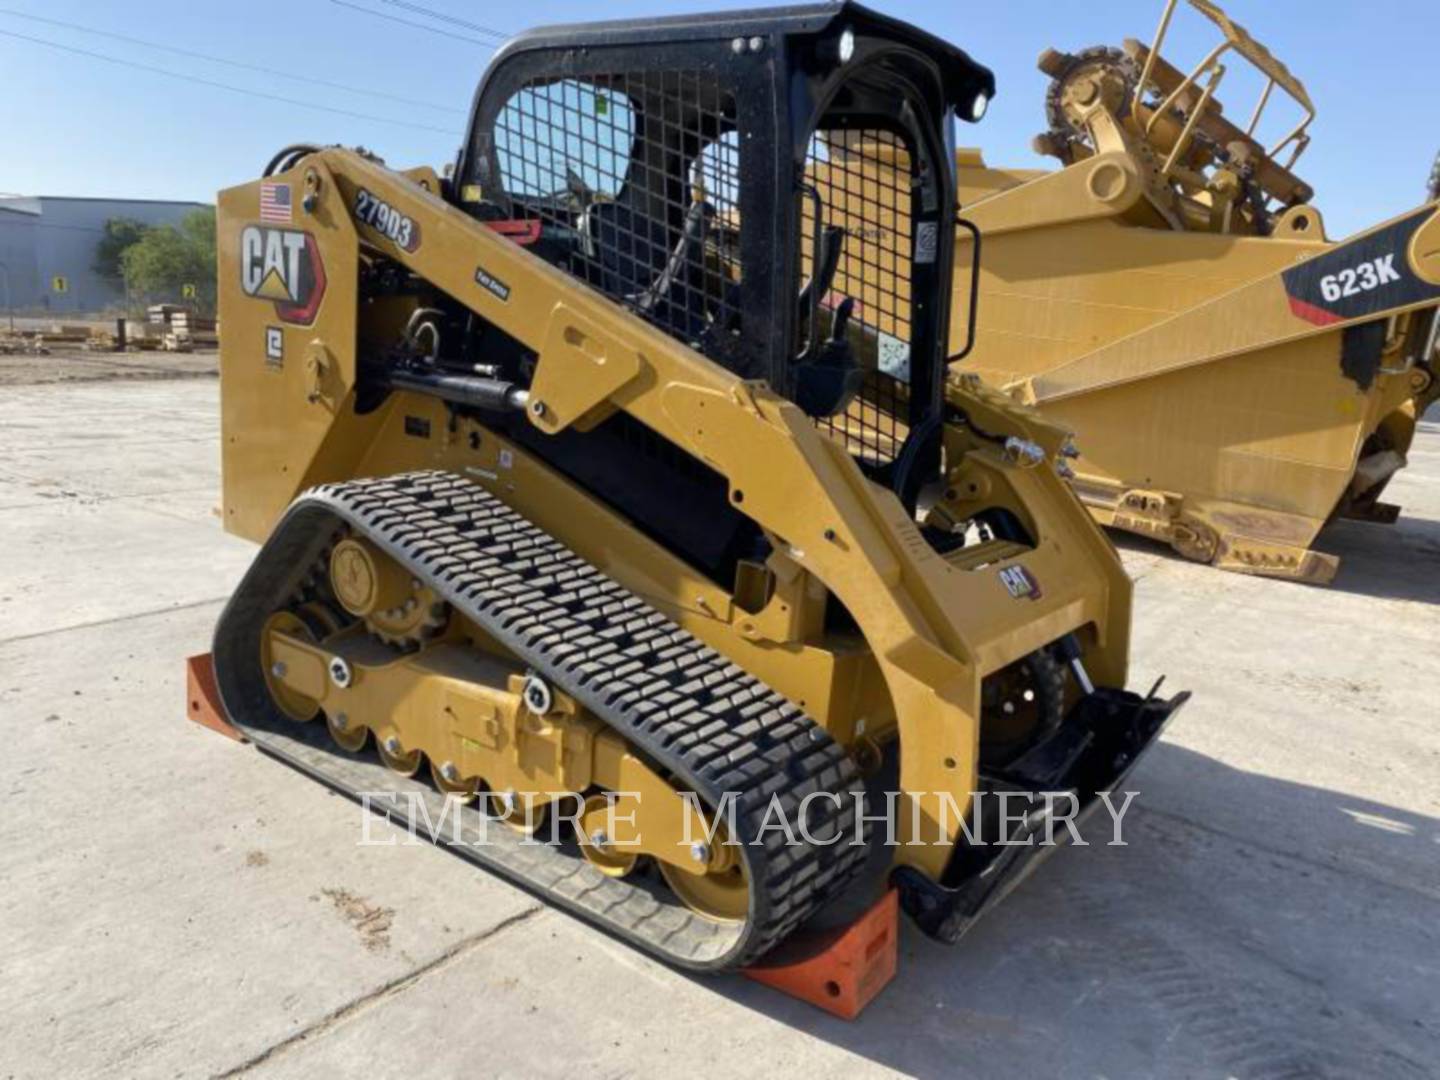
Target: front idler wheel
(291,702)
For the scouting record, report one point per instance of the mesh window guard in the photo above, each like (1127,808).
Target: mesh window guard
(639,173)
(864,181)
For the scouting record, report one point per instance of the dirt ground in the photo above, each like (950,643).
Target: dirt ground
(77,365)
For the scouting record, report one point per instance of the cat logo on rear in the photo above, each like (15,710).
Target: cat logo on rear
(1020,583)
(283,266)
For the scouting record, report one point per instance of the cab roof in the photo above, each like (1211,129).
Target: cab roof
(963,77)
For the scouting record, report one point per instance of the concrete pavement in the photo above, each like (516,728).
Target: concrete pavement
(174,904)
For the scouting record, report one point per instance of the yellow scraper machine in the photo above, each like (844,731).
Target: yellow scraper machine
(615,503)
(1234,379)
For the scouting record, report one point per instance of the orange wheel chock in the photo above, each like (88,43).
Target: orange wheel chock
(839,970)
(202,700)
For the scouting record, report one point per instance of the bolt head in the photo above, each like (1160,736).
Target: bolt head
(278,669)
(599,839)
(700,851)
(342,721)
(509,800)
(392,744)
(449,771)
(536,695)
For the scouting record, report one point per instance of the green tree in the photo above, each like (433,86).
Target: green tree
(172,256)
(120,234)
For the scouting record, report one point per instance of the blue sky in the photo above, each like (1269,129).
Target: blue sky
(75,125)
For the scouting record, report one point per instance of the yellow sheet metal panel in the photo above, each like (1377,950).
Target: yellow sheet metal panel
(1224,366)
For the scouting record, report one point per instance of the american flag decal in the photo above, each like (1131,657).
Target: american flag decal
(275,204)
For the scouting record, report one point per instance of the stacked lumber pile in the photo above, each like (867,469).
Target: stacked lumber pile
(13,342)
(175,329)
(143,335)
(161,314)
(39,342)
(198,330)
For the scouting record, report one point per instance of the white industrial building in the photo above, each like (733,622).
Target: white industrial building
(44,238)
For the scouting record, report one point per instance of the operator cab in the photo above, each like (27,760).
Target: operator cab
(774,188)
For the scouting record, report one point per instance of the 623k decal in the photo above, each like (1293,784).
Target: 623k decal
(1364,277)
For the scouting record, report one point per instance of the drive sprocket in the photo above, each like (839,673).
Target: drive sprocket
(1067,71)
(397,608)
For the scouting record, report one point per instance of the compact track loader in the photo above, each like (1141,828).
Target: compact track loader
(1234,379)
(609,499)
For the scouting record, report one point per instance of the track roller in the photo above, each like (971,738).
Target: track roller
(395,757)
(447,780)
(348,735)
(600,849)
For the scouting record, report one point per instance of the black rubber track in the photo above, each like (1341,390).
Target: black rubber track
(708,724)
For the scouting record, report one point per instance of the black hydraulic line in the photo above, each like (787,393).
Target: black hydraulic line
(472,390)
(286,157)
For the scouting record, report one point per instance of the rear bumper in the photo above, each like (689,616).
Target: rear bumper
(1094,751)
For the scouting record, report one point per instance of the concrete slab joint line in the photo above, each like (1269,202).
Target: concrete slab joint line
(391,989)
(117,619)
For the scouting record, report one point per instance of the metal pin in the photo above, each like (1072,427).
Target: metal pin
(1023,450)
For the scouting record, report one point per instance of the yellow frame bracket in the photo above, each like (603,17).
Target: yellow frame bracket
(580,368)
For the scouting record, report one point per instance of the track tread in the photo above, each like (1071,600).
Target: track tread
(705,720)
